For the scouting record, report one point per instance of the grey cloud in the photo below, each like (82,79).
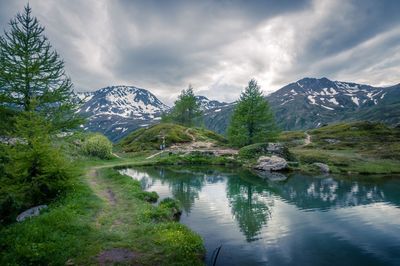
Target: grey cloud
(219,45)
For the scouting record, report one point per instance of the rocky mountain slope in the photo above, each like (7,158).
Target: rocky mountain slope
(308,103)
(311,103)
(118,110)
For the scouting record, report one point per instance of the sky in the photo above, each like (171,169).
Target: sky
(218,46)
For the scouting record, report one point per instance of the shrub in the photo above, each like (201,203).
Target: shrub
(253,151)
(256,150)
(98,145)
(34,171)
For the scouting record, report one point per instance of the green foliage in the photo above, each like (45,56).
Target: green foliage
(32,76)
(357,147)
(98,145)
(179,243)
(252,120)
(196,158)
(35,172)
(253,151)
(256,150)
(61,233)
(186,110)
(151,138)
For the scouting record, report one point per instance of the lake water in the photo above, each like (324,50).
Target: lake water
(302,220)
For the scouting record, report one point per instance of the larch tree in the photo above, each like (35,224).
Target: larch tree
(32,76)
(186,110)
(252,120)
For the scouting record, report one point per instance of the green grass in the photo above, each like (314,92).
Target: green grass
(79,226)
(151,138)
(358,147)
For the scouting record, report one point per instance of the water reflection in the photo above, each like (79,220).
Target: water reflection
(250,206)
(298,220)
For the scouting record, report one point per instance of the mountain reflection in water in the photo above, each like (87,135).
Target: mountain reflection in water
(300,220)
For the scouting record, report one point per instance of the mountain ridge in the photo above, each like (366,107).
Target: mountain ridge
(307,103)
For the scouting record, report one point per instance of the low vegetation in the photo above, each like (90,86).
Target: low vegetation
(358,147)
(98,145)
(151,138)
(113,213)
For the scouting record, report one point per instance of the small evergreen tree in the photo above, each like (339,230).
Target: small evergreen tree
(186,110)
(34,171)
(32,76)
(252,120)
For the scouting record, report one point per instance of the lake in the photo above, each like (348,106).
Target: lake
(298,220)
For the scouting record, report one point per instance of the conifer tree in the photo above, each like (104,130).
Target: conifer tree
(186,110)
(32,76)
(252,120)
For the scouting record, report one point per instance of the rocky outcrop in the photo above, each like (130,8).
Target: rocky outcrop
(324,168)
(270,163)
(34,211)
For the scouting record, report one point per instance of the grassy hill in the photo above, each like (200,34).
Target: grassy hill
(358,147)
(150,138)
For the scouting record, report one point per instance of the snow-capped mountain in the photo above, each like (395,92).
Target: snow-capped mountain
(311,102)
(308,103)
(331,95)
(206,104)
(117,110)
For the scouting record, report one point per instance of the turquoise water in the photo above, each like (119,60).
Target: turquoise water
(303,220)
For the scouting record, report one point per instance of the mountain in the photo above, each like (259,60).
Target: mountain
(117,110)
(311,102)
(206,104)
(307,103)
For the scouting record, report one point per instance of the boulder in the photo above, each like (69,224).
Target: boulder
(34,211)
(271,163)
(271,176)
(324,168)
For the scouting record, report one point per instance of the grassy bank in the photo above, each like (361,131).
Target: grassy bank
(106,216)
(359,147)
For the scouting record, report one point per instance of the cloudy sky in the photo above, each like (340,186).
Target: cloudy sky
(217,46)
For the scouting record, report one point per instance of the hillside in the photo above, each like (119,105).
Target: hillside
(152,137)
(308,103)
(357,147)
(311,103)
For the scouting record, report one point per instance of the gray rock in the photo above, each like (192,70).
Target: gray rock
(324,168)
(332,141)
(275,148)
(34,211)
(271,163)
(271,176)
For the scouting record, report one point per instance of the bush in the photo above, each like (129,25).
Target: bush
(253,151)
(256,150)
(34,171)
(98,145)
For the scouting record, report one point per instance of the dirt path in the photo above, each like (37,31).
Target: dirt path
(154,155)
(102,221)
(190,134)
(307,140)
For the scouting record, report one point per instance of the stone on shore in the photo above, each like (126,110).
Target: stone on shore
(271,163)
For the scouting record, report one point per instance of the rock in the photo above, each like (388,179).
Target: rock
(275,148)
(332,141)
(272,176)
(271,163)
(34,211)
(324,168)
